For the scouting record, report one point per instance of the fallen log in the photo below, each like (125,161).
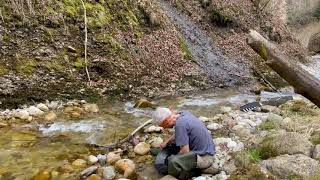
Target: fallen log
(304,83)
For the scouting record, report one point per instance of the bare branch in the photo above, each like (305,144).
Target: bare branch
(85,41)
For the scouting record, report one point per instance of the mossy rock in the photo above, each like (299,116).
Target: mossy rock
(185,49)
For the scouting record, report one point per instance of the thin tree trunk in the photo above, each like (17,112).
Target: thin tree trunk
(304,83)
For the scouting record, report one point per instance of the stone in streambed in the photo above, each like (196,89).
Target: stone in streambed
(42,107)
(34,111)
(128,167)
(143,103)
(51,116)
(109,173)
(94,177)
(142,148)
(87,172)
(92,159)
(42,175)
(102,159)
(155,142)
(22,114)
(91,108)
(113,157)
(152,129)
(79,163)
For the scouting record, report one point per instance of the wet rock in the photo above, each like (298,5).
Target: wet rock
(143,103)
(42,175)
(92,108)
(87,172)
(92,159)
(113,157)
(291,143)
(2,124)
(102,159)
(22,114)
(142,148)
(153,129)
(79,163)
(94,177)
(127,166)
(54,105)
(316,152)
(225,109)
(66,168)
(42,107)
(168,177)
(51,116)
(214,126)
(34,111)
(288,165)
(156,141)
(109,172)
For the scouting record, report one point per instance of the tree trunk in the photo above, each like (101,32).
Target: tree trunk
(304,83)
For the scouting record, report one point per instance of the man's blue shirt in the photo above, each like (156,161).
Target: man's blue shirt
(189,130)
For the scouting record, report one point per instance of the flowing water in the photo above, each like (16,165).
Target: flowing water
(26,149)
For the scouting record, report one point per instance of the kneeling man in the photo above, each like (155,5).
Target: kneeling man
(191,135)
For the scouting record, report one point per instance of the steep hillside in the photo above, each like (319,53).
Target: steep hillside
(132,50)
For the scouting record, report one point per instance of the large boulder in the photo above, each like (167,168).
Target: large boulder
(290,143)
(288,165)
(314,43)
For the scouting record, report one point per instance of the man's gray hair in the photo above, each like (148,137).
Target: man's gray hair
(160,114)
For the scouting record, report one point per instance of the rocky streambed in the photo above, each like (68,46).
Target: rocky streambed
(53,140)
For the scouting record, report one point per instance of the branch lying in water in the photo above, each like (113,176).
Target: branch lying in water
(116,144)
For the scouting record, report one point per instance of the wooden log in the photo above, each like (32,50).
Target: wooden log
(304,83)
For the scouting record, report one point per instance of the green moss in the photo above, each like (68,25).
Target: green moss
(184,48)
(27,66)
(263,52)
(3,70)
(315,138)
(269,125)
(79,63)
(54,65)
(267,149)
(300,107)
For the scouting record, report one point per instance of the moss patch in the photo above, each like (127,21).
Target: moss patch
(26,67)
(184,48)
(269,125)
(3,70)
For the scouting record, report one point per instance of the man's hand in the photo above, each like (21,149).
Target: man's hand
(184,149)
(166,142)
(163,145)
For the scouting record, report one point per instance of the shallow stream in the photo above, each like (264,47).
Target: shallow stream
(27,148)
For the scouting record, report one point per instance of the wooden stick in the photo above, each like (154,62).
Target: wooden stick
(116,144)
(85,41)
